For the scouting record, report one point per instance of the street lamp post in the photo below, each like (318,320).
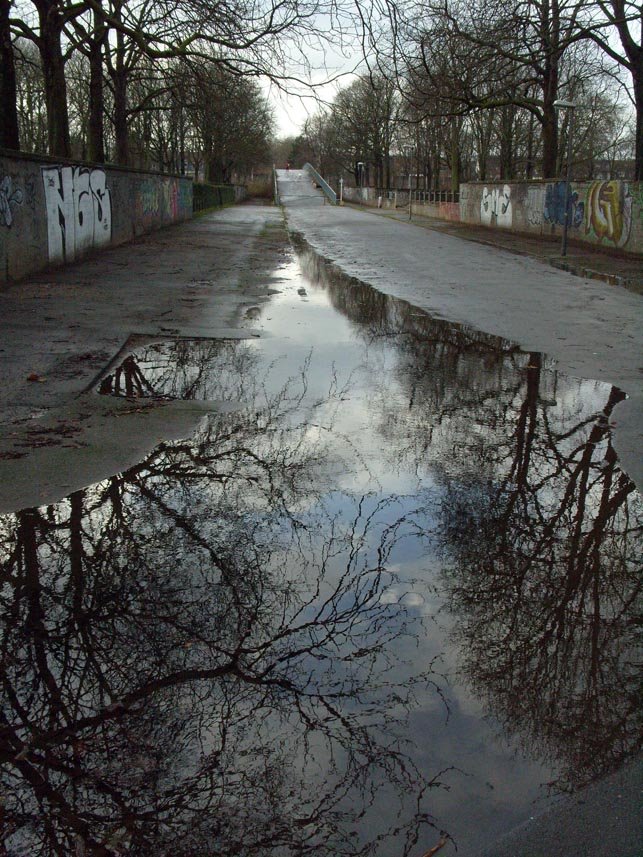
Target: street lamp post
(408,151)
(567,105)
(360,180)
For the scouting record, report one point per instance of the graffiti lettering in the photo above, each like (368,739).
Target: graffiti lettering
(79,211)
(8,197)
(147,200)
(535,205)
(170,199)
(556,197)
(609,211)
(495,207)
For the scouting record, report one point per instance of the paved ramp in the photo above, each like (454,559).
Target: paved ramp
(296,188)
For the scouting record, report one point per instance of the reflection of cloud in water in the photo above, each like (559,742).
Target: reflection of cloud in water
(191,627)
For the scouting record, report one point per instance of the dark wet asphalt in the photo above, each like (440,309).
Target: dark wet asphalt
(394,594)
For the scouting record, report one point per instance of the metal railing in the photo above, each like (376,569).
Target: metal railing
(322,183)
(275,186)
(433,196)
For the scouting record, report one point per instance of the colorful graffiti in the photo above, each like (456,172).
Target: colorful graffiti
(162,200)
(185,199)
(170,199)
(79,211)
(609,212)
(495,207)
(8,197)
(558,196)
(147,200)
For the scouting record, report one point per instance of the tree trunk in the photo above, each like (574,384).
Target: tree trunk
(506,144)
(121,132)
(455,156)
(96,129)
(549,83)
(637,81)
(53,67)
(9,134)
(214,170)
(119,77)
(550,140)
(529,166)
(428,173)
(181,141)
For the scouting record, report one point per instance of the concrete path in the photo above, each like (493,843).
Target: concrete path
(591,329)
(61,328)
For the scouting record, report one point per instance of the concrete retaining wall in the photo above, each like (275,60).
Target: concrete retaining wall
(609,213)
(54,212)
(375,198)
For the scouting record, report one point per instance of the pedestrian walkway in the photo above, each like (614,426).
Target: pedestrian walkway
(591,329)
(598,263)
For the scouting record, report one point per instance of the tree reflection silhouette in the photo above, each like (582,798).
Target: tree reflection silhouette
(197,657)
(181,369)
(545,584)
(540,530)
(186,646)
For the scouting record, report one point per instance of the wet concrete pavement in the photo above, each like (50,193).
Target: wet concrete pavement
(591,329)
(610,266)
(314,476)
(59,331)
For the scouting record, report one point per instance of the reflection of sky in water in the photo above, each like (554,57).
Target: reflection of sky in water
(415,429)
(493,785)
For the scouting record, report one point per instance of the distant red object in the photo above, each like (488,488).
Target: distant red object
(288,165)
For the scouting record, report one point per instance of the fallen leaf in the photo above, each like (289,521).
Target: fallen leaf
(435,848)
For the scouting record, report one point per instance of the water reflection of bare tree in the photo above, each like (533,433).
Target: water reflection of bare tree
(444,371)
(185,646)
(541,530)
(545,582)
(181,369)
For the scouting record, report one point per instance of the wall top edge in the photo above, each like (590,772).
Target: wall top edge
(539,182)
(76,162)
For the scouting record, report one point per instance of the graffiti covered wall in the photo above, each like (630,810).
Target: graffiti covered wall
(78,210)
(53,213)
(609,213)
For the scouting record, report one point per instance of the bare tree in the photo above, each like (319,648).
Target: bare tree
(261,40)
(469,56)
(9,135)
(46,32)
(626,18)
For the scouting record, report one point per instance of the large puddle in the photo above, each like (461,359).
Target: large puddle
(391,596)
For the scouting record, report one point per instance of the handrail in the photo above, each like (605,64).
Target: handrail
(330,193)
(275,186)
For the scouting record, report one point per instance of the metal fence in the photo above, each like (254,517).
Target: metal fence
(435,196)
(212,196)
